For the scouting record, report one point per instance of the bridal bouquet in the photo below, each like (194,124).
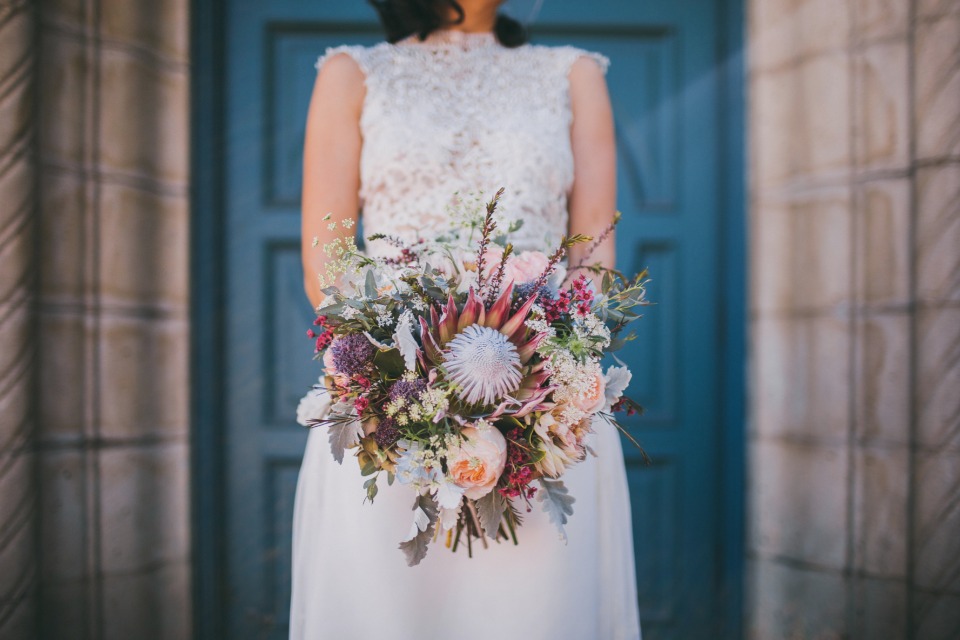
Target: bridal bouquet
(470,372)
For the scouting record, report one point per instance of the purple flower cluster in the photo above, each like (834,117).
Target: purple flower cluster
(386,433)
(407,389)
(352,354)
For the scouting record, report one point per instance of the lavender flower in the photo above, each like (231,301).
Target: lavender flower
(352,354)
(409,390)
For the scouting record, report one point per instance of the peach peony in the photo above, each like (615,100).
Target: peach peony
(478,461)
(594,399)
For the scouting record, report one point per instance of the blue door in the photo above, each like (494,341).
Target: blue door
(679,174)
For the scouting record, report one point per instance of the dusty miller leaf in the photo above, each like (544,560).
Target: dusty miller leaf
(617,380)
(343,433)
(416,547)
(557,502)
(406,343)
(490,508)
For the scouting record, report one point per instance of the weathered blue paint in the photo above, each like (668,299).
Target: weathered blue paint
(676,84)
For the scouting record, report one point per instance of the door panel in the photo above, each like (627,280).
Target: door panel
(664,86)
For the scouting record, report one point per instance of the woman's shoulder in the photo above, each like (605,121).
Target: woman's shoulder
(364,56)
(564,56)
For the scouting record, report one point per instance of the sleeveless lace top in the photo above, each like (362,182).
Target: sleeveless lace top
(458,116)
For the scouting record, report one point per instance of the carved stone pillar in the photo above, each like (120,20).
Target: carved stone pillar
(18,496)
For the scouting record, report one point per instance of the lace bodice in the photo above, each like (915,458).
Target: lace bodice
(461,114)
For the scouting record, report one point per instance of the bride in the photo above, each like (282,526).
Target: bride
(454,106)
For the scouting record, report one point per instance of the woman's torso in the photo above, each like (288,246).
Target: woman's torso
(459,115)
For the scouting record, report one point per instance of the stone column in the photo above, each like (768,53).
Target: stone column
(18,496)
(112,312)
(855,319)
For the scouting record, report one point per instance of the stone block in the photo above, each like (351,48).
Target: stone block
(16,99)
(798,502)
(17,242)
(16,379)
(801,252)
(144,248)
(936,616)
(19,619)
(801,378)
(145,385)
(771,160)
(882,379)
(936,545)
(801,130)
(67,609)
(17,524)
(782,31)
(927,9)
(881,487)
(876,19)
(881,609)
(144,124)
(794,603)
(161,25)
(937,88)
(770,245)
(820,246)
(938,377)
(63,235)
(64,522)
(63,357)
(150,605)
(881,99)
(938,234)
(62,90)
(882,243)
(144,506)
(66,12)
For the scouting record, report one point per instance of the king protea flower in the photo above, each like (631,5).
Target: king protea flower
(487,353)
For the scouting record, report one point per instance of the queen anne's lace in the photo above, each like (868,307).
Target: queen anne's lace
(460,114)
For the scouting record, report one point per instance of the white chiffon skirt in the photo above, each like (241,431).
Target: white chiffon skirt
(351,581)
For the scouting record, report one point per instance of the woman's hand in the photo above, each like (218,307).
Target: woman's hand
(593,200)
(331,164)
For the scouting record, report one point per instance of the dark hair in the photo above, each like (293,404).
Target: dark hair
(402,18)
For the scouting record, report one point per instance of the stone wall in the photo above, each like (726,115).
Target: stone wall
(94,517)
(855,319)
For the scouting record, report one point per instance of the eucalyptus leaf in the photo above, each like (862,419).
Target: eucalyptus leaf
(490,508)
(557,502)
(370,285)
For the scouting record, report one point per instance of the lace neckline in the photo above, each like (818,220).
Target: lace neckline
(455,39)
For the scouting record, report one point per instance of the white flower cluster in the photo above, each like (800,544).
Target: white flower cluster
(591,326)
(419,465)
(384,315)
(538,322)
(432,402)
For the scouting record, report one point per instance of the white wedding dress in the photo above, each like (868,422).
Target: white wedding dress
(461,113)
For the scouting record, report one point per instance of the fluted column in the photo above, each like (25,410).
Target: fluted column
(18,496)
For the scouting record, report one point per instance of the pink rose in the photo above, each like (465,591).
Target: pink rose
(525,266)
(593,399)
(477,462)
(328,362)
